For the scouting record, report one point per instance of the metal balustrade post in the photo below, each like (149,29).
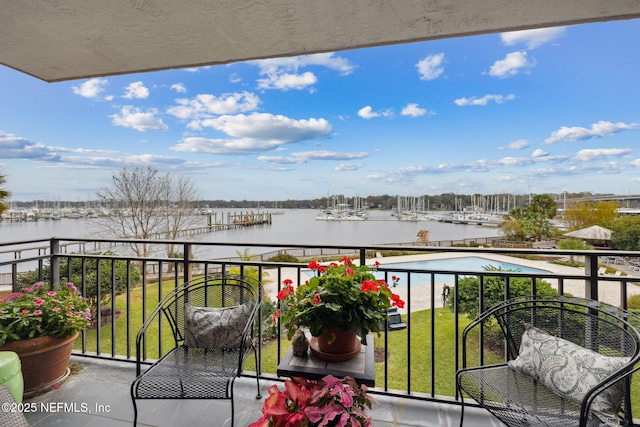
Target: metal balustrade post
(188,272)
(591,271)
(54,250)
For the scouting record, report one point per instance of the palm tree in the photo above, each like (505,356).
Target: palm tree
(4,194)
(573,244)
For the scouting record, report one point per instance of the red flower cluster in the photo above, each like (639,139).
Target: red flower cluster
(339,294)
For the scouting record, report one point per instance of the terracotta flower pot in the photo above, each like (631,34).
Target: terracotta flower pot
(44,360)
(335,344)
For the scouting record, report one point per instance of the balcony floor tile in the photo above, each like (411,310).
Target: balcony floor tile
(107,384)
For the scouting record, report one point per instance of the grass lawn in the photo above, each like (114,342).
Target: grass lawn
(400,367)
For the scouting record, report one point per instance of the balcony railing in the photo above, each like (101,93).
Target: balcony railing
(420,361)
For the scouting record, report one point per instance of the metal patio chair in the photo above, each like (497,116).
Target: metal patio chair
(574,368)
(212,322)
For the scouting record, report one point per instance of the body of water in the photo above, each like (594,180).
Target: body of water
(294,227)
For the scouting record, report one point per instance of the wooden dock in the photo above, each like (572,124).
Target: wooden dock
(232,221)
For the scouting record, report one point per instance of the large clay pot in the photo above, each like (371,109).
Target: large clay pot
(335,344)
(45,361)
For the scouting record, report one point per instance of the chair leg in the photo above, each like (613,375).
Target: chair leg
(258,396)
(232,409)
(135,407)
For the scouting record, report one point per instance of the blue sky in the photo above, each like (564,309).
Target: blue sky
(538,111)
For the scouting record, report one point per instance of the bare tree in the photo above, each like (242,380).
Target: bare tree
(145,204)
(179,212)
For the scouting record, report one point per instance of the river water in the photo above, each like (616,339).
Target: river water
(293,227)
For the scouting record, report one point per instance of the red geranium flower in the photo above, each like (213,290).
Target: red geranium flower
(397,302)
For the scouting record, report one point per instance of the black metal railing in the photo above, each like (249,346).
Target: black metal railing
(126,278)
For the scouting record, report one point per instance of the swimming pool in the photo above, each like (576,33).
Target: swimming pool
(469,264)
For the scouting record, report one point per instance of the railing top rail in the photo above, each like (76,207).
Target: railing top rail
(377,247)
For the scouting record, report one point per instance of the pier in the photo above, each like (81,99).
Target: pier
(233,220)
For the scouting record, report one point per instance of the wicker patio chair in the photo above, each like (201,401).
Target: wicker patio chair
(568,362)
(212,321)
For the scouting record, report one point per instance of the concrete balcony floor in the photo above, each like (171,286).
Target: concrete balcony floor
(99,395)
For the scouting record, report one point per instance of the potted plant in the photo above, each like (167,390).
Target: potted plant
(341,301)
(40,325)
(327,402)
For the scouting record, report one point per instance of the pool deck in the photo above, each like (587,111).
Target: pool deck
(421,293)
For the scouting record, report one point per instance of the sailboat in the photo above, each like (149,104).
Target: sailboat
(276,211)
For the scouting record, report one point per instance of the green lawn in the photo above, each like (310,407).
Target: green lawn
(399,366)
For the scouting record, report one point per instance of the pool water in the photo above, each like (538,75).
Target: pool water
(451,264)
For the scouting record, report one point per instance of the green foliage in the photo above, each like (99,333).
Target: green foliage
(38,311)
(633,302)
(625,233)
(586,214)
(4,194)
(533,222)
(269,327)
(468,290)
(340,295)
(283,258)
(573,244)
(90,286)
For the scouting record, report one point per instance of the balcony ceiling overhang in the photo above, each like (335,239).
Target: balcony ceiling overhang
(73,39)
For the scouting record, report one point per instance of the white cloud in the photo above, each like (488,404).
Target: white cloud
(596,153)
(306,156)
(206,105)
(266,126)
(498,99)
(518,145)
(136,90)
(511,65)
(15,147)
(368,113)
(539,153)
(413,110)
(91,88)
(179,87)
(346,167)
(225,146)
(533,38)
(254,133)
(131,117)
(282,73)
(431,67)
(288,81)
(576,133)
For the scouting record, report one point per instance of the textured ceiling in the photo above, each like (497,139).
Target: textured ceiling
(56,40)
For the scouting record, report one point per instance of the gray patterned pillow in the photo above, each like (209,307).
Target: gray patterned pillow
(207,327)
(570,370)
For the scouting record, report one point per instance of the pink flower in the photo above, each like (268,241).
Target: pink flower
(56,309)
(25,312)
(71,286)
(27,290)
(51,293)
(39,302)
(37,312)
(14,295)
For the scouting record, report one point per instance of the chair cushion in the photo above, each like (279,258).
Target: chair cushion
(569,369)
(219,328)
